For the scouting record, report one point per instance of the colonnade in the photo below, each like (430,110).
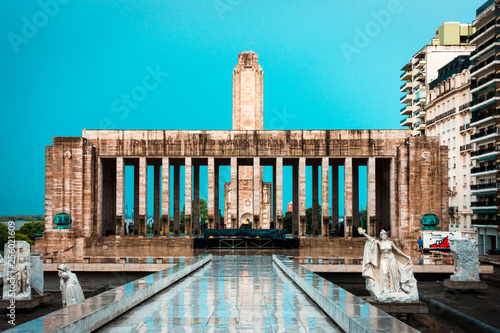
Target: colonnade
(112,184)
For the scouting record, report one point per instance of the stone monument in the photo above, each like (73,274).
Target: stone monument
(17,271)
(36,278)
(465,258)
(388,271)
(71,291)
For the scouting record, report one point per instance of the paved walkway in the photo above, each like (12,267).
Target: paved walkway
(230,294)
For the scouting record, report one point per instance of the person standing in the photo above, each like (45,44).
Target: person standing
(420,244)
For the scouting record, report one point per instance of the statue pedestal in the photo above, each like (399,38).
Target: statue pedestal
(399,308)
(35,301)
(465,285)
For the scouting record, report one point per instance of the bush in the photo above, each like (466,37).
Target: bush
(22,237)
(32,228)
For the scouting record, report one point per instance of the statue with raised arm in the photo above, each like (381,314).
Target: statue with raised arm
(388,271)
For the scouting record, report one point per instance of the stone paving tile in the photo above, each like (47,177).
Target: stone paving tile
(231,294)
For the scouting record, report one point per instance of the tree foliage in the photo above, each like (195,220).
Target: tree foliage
(7,218)
(32,228)
(203,214)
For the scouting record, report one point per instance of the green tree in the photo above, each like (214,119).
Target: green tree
(23,237)
(363,221)
(32,228)
(309,219)
(4,236)
(203,214)
(287,222)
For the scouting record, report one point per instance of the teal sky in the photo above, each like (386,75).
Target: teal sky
(65,65)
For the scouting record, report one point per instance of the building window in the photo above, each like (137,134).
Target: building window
(465,201)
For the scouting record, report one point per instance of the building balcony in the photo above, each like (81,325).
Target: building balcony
(419,113)
(419,64)
(484,135)
(408,98)
(465,148)
(406,122)
(487,186)
(490,61)
(465,127)
(480,33)
(419,125)
(483,48)
(484,169)
(484,155)
(483,118)
(452,209)
(485,222)
(482,204)
(407,110)
(477,85)
(420,76)
(464,107)
(405,76)
(405,86)
(484,99)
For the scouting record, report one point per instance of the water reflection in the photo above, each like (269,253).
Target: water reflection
(232,293)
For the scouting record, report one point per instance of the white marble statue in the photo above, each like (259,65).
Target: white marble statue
(465,258)
(17,271)
(71,291)
(388,271)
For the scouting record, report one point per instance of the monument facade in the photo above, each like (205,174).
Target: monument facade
(85,176)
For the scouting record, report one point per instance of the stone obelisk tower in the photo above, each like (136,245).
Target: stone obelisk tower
(248,105)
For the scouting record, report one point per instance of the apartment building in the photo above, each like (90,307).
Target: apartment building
(450,41)
(485,105)
(448,116)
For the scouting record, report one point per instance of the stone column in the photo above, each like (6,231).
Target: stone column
(257,193)
(302,194)
(278,185)
(157,200)
(136,197)
(216,195)
(143,196)
(335,196)
(348,196)
(188,197)
(402,198)
(355,195)
(371,194)
(234,192)
(165,207)
(211,192)
(177,189)
(120,197)
(325,213)
(295,200)
(315,204)
(196,200)
(100,189)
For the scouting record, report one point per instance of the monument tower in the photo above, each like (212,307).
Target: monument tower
(248,115)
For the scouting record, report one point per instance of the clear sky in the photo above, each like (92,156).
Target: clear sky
(65,64)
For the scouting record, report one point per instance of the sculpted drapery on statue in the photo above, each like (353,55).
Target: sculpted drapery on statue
(71,291)
(388,271)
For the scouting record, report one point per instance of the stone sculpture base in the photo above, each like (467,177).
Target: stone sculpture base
(399,308)
(28,303)
(465,285)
